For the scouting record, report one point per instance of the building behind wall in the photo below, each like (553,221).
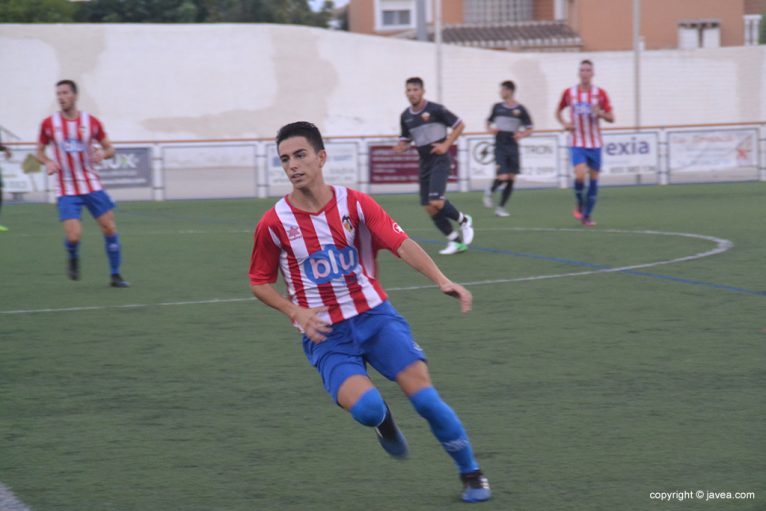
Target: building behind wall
(566,25)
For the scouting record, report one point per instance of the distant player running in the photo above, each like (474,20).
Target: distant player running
(324,240)
(588,104)
(425,124)
(72,134)
(510,122)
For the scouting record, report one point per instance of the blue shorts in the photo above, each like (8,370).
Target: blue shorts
(98,203)
(591,157)
(380,337)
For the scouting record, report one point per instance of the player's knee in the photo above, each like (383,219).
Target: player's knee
(436,204)
(370,409)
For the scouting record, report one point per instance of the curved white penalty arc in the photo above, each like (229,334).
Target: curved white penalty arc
(722,245)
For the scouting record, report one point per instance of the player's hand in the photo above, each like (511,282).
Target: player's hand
(493,130)
(518,136)
(8,154)
(314,327)
(52,166)
(596,110)
(568,126)
(402,146)
(462,294)
(96,155)
(439,148)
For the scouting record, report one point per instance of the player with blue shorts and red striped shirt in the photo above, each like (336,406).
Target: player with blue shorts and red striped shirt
(588,104)
(72,134)
(324,239)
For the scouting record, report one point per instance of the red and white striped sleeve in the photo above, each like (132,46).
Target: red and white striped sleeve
(386,233)
(97,129)
(264,262)
(603,101)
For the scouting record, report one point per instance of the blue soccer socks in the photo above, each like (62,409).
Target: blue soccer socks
(592,194)
(112,246)
(446,427)
(73,248)
(579,188)
(370,409)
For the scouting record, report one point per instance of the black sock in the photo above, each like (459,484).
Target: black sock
(387,428)
(451,212)
(495,185)
(506,193)
(442,223)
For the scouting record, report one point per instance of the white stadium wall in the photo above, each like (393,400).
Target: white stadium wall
(160,82)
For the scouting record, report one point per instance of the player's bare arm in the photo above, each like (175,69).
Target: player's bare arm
(402,146)
(104,152)
(522,134)
(492,129)
(414,255)
(443,147)
(51,165)
(307,319)
(560,117)
(601,114)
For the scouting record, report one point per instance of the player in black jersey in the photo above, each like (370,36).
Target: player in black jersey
(426,125)
(509,121)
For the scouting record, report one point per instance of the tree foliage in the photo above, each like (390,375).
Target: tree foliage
(165,11)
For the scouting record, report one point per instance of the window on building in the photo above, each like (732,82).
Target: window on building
(704,33)
(493,11)
(752,29)
(397,18)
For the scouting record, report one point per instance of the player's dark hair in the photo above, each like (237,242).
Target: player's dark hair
(415,81)
(301,129)
(586,61)
(71,84)
(508,84)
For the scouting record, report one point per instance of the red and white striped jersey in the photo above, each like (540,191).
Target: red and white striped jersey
(326,258)
(72,141)
(586,130)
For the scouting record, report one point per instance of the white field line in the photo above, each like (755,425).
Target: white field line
(722,245)
(9,501)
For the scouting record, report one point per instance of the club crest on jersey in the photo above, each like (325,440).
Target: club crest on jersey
(425,116)
(331,263)
(516,112)
(347,223)
(293,233)
(397,228)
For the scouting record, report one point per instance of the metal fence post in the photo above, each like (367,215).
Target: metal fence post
(762,152)
(158,176)
(261,180)
(562,162)
(663,173)
(463,162)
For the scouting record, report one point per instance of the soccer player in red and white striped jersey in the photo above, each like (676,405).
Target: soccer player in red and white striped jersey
(324,240)
(72,134)
(588,104)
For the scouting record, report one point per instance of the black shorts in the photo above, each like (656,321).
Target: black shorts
(433,179)
(507,159)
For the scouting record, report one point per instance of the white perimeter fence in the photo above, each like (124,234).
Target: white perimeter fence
(170,170)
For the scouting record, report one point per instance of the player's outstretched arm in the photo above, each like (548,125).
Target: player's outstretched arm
(307,319)
(414,255)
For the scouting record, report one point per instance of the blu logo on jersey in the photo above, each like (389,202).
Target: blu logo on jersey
(73,146)
(331,263)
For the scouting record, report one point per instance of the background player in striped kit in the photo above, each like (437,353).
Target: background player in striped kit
(588,104)
(324,240)
(425,124)
(72,134)
(509,121)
